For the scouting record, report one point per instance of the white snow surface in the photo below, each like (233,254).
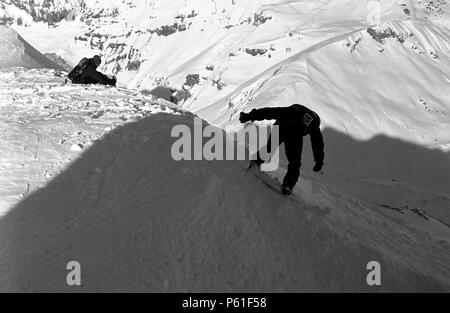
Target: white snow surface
(231,56)
(15,51)
(78,188)
(137,220)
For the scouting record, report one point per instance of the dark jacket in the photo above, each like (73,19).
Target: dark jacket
(86,73)
(294,121)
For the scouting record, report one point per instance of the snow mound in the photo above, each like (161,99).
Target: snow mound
(136,220)
(15,51)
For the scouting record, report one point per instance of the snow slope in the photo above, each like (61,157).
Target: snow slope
(36,106)
(15,51)
(368,67)
(232,56)
(379,82)
(369,90)
(137,220)
(147,42)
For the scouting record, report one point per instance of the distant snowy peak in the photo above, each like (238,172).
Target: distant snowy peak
(15,51)
(48,11)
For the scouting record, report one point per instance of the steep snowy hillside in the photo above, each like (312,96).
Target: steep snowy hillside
(136,220)
(377,73)
(391,80)
(27,12)
(46,123)
(15,51)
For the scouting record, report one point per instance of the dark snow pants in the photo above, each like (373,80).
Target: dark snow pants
(293,146)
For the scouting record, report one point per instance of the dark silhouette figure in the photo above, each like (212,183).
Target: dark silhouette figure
(86,73)
(294,122)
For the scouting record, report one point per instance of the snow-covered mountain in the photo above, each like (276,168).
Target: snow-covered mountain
(98,185)
(25,12)
(228,56)
(377,72)
(369,68)
(15,51)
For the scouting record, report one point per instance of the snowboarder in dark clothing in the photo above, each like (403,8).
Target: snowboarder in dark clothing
(294,122)
(86,73)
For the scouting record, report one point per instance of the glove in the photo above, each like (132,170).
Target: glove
(113,81)
(244,117)
(318,167)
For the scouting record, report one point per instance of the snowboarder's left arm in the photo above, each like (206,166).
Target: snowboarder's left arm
(317,146)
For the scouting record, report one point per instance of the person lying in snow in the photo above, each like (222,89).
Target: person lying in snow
(294,122)
(86,73)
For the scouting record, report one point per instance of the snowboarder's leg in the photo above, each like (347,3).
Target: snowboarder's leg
(293,147)
(259,160)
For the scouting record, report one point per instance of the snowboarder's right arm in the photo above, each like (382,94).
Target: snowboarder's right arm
(280,114)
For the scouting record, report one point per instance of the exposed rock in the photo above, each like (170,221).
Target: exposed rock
(255,52)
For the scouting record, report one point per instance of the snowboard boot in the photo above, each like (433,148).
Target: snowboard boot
(255,164)
(286,190)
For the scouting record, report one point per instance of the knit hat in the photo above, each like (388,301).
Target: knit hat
(97,60)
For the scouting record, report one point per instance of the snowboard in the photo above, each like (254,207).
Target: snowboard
(271,182)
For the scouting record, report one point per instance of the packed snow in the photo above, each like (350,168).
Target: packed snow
(137,220)
(15,51)
(87,175)
(37,105)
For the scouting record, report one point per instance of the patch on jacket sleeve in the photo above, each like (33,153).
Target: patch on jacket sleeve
(307,119)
